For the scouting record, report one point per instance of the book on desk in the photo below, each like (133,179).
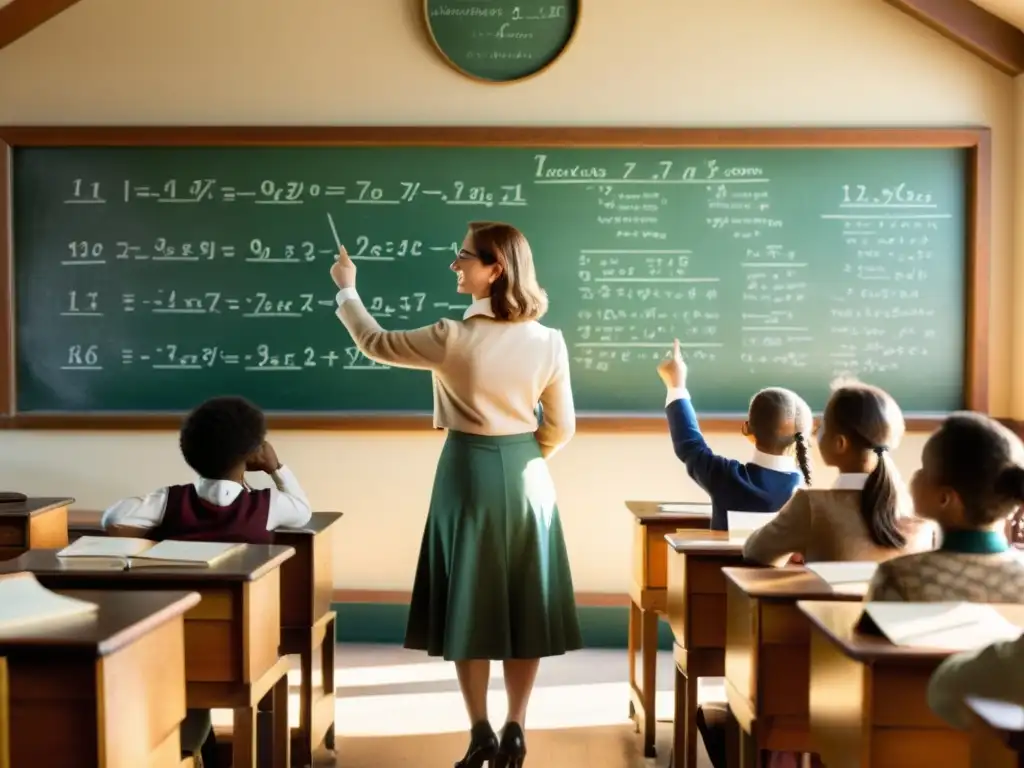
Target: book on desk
(125,553)
(24,602)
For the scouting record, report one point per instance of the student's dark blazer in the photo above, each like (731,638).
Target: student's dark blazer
(732,485)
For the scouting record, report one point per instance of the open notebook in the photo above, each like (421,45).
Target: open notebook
(24,602)
(946,626)
(124,553)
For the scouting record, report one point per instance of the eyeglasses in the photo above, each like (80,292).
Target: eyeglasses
(465,255)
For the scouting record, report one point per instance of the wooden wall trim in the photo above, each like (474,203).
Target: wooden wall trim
(7,309)
(976,140)
(982,33)
(399,597)
(20,17)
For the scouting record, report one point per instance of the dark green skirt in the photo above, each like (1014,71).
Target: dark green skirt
(493,577)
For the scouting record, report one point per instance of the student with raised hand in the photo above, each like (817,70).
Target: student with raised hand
(867,514)
(970,481)
(779,425)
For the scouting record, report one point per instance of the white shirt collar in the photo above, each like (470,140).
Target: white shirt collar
(221,493)
(479,307)
(852,481)
(777,463)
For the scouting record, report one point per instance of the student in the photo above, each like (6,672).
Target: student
(779,425)
(970,481)
(994,672)
(220,440)
(866,515)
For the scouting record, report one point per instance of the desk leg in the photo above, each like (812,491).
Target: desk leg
(680,757)
(304,745)
(282,733)
(649,624)
(243,744)
(632,646)
(327,672)
(686,708)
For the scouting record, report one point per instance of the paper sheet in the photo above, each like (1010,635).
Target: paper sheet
(689,508)
(947,626)
(851,572)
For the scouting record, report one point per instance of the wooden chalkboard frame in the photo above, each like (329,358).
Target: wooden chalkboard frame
(515,81)
(976,140)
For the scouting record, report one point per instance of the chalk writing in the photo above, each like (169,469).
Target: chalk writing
(767,270)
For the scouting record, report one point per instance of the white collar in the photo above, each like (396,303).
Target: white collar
(851,481)
(221,493)
(479,307)
(777,463)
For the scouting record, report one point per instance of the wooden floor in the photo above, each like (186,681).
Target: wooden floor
(401,708)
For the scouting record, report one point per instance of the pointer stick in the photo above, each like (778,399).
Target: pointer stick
(334,230)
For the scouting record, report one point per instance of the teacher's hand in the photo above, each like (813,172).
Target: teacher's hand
(343,270)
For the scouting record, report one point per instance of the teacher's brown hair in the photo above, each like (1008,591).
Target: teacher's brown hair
(516,296)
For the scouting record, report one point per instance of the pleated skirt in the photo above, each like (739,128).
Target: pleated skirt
(493,579)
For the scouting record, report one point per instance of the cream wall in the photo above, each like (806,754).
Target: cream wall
(635,62)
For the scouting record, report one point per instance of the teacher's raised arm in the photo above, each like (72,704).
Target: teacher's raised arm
(493,580)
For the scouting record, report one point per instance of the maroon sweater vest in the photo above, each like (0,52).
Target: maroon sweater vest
(188,517)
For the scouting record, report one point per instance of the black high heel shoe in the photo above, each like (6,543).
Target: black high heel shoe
(483,747)
(512,749)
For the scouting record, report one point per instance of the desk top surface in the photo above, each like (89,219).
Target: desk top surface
(791,583)
(838,622)
(647,512)
(33,506)
(317,524)
(122,618)
(251,562)
(88,520)
(704,543)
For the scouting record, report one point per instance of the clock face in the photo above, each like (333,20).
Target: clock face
(501,41)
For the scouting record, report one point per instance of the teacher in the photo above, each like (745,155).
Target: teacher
(493,579)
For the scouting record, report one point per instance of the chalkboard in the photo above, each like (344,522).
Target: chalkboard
(501,41)
(154,268)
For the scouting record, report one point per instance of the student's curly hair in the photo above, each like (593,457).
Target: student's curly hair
(872,421)
(779,418)
(979,459)
(220,434)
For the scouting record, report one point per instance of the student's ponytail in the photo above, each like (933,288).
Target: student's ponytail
(879,504)
(802,458)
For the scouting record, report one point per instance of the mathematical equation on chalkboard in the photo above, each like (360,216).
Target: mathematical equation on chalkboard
(740,288)
(174,357)
(292,192)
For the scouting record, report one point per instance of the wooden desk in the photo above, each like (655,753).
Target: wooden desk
(868,700)
(647,594)
(231,638)
(307,621)
(997,734)
(768,655)
(308,628)
(105,691)
(33,524)
(696,613)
